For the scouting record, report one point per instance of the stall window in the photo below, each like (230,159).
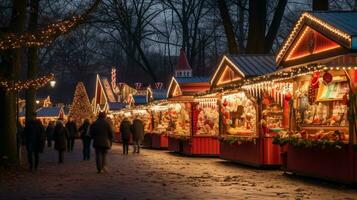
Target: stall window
(239,115)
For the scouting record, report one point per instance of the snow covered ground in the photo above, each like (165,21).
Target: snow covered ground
(159,175)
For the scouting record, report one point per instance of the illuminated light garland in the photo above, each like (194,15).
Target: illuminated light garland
(45,35)
(40,38)
(298,26)
(11,85)
(275,77)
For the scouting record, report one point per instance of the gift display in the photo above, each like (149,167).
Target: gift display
(161,119)
(272,117)
(239,114)
(179,119)
(208,116)
(324,118)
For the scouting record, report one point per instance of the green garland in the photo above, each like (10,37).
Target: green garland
(238,139)
(298,142)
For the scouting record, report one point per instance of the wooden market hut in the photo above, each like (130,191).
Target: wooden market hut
(242,138)
(320,60)
(47,114)
(183,111)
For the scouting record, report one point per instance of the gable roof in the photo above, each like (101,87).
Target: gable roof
(49,111)
(342,20)
(339,26)
(191,80)
(159,94)
(106,89)
(114,106)
(254,65)
(140,99)
(187,86)
(244,66)
(182,62)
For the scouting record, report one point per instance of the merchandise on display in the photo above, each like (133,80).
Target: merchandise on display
(239,114)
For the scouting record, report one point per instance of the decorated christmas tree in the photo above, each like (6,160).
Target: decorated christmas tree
(81,107)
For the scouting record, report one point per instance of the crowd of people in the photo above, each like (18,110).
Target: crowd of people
(63,135)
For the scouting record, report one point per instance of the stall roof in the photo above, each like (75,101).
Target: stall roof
(116,106)
(233,68)
(140,99)
(159,94)
(183,86)
(49,111)
(343,20)
(337,29)
(254,65)
(188,80)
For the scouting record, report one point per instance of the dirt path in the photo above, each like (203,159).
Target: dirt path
(159,175)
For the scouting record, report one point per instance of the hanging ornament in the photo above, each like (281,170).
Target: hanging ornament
(345,99)
(288,96)
(327,78)
(313,87)
(225,103)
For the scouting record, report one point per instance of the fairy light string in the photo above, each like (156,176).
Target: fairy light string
(16,85)
(45,35)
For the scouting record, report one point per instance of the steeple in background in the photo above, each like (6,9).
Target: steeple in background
(183,68)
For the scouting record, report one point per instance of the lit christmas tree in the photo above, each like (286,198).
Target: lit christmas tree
(81,107)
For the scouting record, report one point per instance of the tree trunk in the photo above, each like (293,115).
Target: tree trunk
(241,19)
(11,63)
(275,24)
(32,62)
(320,5)
(257,23)
(228,27)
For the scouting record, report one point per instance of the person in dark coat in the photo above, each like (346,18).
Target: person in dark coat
(138,133)
(72,134)
(20,138)
(49,133)
(102,134)
(86,139)
(60,136)
(35,140)
(125,132)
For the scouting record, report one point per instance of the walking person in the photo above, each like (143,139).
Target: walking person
(60,136)
(125,132)
(72,134)
(20,140)
(138,133)
(34,139)
(49,133)
(86,139)
(102,134)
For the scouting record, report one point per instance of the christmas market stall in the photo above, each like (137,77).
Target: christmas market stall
(157,137)
(183,114)
(243,138)
(160,125)
(318,58)
(47,114)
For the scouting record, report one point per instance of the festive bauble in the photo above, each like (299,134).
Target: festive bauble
(345,99)
(288,96)
(225,102)
(327,78)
